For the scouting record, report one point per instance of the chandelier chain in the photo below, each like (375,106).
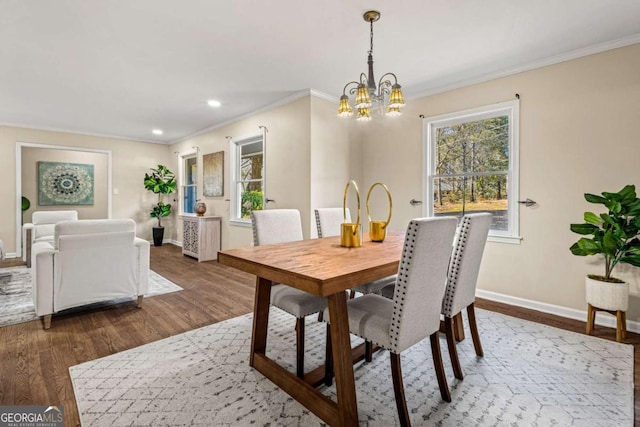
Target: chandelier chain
(371,33)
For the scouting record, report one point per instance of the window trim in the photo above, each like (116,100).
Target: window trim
(509,108)
(181,178)
(235,145)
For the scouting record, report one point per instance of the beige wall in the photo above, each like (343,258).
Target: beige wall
(335,157)
(130,162)
(287,164)
(578,133)
(31,156)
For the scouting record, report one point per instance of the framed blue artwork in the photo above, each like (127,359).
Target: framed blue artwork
(65,184)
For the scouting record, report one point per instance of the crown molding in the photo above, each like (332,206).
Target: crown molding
(76,132)
(283,101)
(545,62)
(325,96)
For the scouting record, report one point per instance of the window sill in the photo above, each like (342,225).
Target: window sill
(513,240)
(240,222)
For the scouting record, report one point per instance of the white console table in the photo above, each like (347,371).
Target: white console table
(201,236)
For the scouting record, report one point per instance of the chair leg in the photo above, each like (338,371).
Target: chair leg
(475,336)
(352,294)
(300,347)
(458,327)
(140,301)
(368,351)
(328,360)
(320,316)
(47,321)
(398,389)
(453,351)
(439,366)
(591,318)
(624,324)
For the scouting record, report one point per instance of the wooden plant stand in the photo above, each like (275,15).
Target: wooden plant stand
(621,316)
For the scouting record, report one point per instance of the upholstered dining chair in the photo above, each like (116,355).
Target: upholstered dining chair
(278,226)
(414,312)
(461,281)
(328,221)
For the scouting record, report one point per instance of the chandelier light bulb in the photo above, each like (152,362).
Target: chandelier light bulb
(362,97)
(345,110)
(393,111)
(363,115)
(396,99)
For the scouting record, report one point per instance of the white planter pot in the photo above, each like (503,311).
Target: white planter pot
(606,295)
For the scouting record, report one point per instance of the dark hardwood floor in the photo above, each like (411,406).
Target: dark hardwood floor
(34,363)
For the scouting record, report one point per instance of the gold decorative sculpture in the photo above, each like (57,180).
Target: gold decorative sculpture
(350,233)
(378,229)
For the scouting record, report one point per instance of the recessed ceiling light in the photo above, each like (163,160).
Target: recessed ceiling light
(157,131)
(213,103)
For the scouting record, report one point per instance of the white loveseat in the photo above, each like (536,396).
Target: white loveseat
(40,229)
(88,261)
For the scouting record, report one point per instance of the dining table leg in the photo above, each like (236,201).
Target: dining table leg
(260,318)
(342,360)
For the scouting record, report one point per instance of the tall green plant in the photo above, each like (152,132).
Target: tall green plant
(160,181)
(615,234)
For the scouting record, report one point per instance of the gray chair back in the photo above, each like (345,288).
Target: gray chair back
(421,281)
(465,262)
(276,226)
(328,221)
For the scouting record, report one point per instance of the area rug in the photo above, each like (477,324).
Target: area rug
(16,303)
(531,375)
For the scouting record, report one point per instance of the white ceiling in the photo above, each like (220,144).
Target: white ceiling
(123,68)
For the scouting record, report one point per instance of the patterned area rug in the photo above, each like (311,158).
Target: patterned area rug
(531,375)
(16,303)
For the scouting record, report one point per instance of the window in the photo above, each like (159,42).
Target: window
(471,165)
(248,184)
(189,183)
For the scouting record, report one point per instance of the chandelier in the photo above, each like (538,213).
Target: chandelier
(386,98)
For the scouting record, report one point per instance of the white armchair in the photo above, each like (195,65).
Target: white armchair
(88,261)
(40,229)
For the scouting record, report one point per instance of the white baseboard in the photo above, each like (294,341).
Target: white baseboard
(173,242)
(570,313)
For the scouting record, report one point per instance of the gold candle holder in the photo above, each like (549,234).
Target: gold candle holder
(350,233)
(378,229)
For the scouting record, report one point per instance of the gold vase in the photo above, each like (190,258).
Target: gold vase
(200,208)
(350,232)
(378,229)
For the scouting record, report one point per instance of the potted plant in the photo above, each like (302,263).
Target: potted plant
(160,181)
(614,235)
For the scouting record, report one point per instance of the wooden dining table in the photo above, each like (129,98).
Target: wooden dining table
(321,267)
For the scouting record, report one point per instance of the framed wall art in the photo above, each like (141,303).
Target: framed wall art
(213,174)
(65,184)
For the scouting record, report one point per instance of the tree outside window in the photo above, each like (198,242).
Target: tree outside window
(248,178)
(471,165)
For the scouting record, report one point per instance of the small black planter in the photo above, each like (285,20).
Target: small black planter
(158,235)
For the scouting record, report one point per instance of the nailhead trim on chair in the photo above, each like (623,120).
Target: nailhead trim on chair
(401,285)
(255,231)
(318,225)
(454,270)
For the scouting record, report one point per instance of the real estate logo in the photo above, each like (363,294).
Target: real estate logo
(31,416)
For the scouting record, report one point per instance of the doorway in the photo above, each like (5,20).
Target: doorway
(29,154)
